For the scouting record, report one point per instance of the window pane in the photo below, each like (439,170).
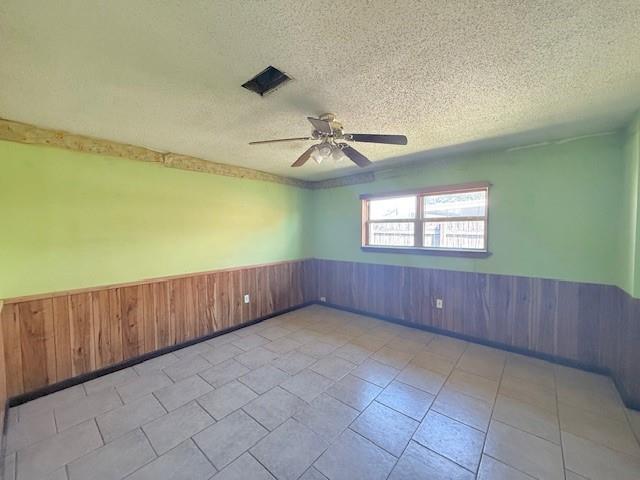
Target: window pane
(392,208)
(398,234)
(463,204)
(456,235)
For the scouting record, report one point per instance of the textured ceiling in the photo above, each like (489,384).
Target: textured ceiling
(167,74)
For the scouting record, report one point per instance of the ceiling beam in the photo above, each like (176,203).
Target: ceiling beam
(30,134)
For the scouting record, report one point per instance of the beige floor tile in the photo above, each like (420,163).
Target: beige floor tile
(249,342)
(294,362)
(221,353)
(468,410)
(141,386)
(222,339)
(327,416)
(317,349)
(49,455)
(569,475)
(282,346)
(397,359)
(597,462)
(187,367)
(85,408)
(433,362)
(530,369)
(385,427)
(375,372)
(289,450)
(430,382)
(406,399)
(352,456)
(195,349)
(182,392)
(418,462)
(473,385)
(185,462)
(525,452)
(256,357)
(52,401)
(609,432)
(307,385)
(451,439)
(223,373)
(492,469)
(448,347)
(225,441)
(226,399)
(172,429)
(156,364)
(111,380)
(527,417)
(8,467)
(31,429)
(245,467)
(332,367)
(353,353)
(369,342)
(588,391)
(115,460)
(529,392)
(634,420)
(274,407)
(481,362)
(263,379)
(312,474)
(130,416)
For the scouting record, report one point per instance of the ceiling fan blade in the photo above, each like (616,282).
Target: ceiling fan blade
(372,138)
(321,125)
(304,157)
(297,139)
(356,157)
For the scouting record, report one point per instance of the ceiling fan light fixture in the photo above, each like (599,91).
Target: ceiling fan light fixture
(337,155)
(321,152)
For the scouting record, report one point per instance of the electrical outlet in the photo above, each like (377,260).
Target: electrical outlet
(246,298)
(439,303)
(323,299)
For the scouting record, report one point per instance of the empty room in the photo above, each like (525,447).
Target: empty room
(295,240)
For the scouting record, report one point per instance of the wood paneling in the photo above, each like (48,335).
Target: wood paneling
(52,338)
(596,326)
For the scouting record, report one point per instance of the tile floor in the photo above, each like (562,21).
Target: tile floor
(319,393)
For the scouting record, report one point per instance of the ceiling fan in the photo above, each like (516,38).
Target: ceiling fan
(332,142)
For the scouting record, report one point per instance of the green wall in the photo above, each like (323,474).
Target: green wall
(554,211)
(71,220)
(630,249)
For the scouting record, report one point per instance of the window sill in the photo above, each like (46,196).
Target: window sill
(428,251)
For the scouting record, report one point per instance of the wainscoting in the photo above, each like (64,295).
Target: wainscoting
(593,326)
(52,338)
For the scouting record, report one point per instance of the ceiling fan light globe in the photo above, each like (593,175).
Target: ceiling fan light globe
(337,155)
(324,150)
(316,156)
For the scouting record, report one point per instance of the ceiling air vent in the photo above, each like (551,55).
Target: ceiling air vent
(267,80)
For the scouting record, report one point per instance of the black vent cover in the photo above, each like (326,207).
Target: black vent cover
(266,80)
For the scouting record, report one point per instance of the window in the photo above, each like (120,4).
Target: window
(435,220)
